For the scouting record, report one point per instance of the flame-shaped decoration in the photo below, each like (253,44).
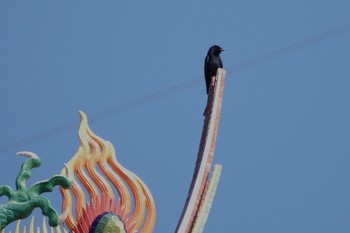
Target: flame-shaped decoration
(32,229)
(97,175)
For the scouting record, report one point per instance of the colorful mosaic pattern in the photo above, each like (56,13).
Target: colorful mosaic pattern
(104,197)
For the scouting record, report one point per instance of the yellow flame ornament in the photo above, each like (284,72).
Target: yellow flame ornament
(106,196)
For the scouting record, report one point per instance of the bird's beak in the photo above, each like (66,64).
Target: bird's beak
(222,50)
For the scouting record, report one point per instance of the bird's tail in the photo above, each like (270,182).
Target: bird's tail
(205,110)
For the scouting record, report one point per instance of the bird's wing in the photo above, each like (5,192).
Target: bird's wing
(207,72)
(206,66)
(221,63)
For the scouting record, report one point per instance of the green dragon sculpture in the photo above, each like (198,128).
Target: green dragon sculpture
(22,202)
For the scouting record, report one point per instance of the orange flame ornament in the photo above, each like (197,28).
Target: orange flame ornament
(106,196)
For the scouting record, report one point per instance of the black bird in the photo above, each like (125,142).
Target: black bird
(212,63)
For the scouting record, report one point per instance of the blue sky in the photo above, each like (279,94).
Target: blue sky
(284,132)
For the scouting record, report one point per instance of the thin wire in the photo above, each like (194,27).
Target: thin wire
(177,88)
(290,48)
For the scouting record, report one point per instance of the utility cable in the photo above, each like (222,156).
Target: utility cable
(177,88)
